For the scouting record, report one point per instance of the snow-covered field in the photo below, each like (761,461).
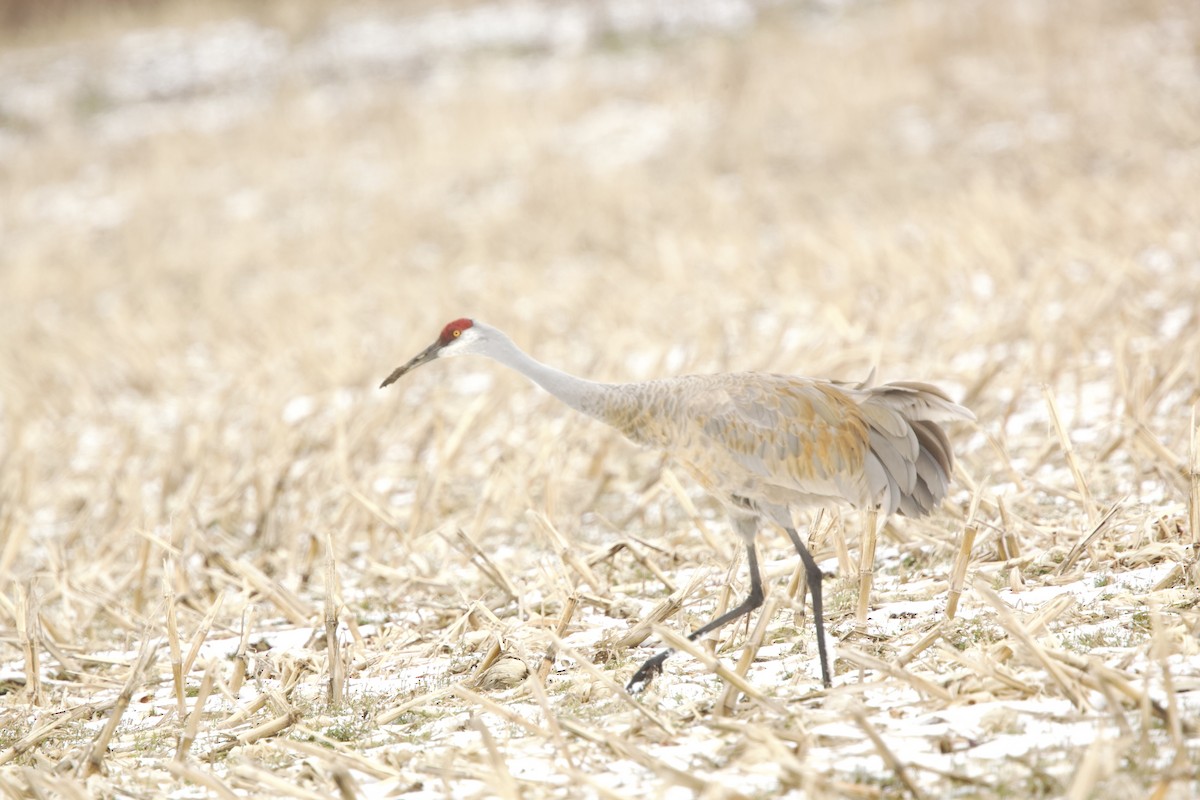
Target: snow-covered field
(231,566)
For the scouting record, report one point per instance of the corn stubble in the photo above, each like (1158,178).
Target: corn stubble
(227,561)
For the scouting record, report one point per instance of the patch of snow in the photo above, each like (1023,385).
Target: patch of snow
(175,62)
(476,382)
(1175,321)
(623,133)
(298,409)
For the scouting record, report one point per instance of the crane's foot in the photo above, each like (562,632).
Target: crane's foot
(647,672)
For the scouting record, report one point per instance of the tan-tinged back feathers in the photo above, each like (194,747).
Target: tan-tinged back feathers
(794,441)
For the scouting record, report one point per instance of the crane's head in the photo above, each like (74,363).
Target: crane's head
(458,338)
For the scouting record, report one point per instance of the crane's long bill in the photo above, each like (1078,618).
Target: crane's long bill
(426,355)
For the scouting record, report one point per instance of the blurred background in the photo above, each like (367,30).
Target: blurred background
(222,224)
(212,210)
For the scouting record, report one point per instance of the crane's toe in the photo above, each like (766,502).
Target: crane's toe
(646,673)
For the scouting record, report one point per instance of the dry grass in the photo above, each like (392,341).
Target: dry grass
(213,526)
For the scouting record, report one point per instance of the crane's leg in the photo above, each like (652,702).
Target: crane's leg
(646,672)
(813,573)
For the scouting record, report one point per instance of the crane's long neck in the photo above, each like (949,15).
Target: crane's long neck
(580,394)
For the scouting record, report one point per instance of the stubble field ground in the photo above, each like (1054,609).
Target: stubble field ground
(231,566)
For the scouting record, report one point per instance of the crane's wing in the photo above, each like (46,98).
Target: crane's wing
(780,440)
(794,441)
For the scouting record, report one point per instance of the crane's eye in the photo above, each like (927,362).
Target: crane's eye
(457,334)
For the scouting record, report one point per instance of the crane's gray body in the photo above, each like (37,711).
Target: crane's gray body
(770,443)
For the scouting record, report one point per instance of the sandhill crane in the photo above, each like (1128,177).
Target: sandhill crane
(762,444)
